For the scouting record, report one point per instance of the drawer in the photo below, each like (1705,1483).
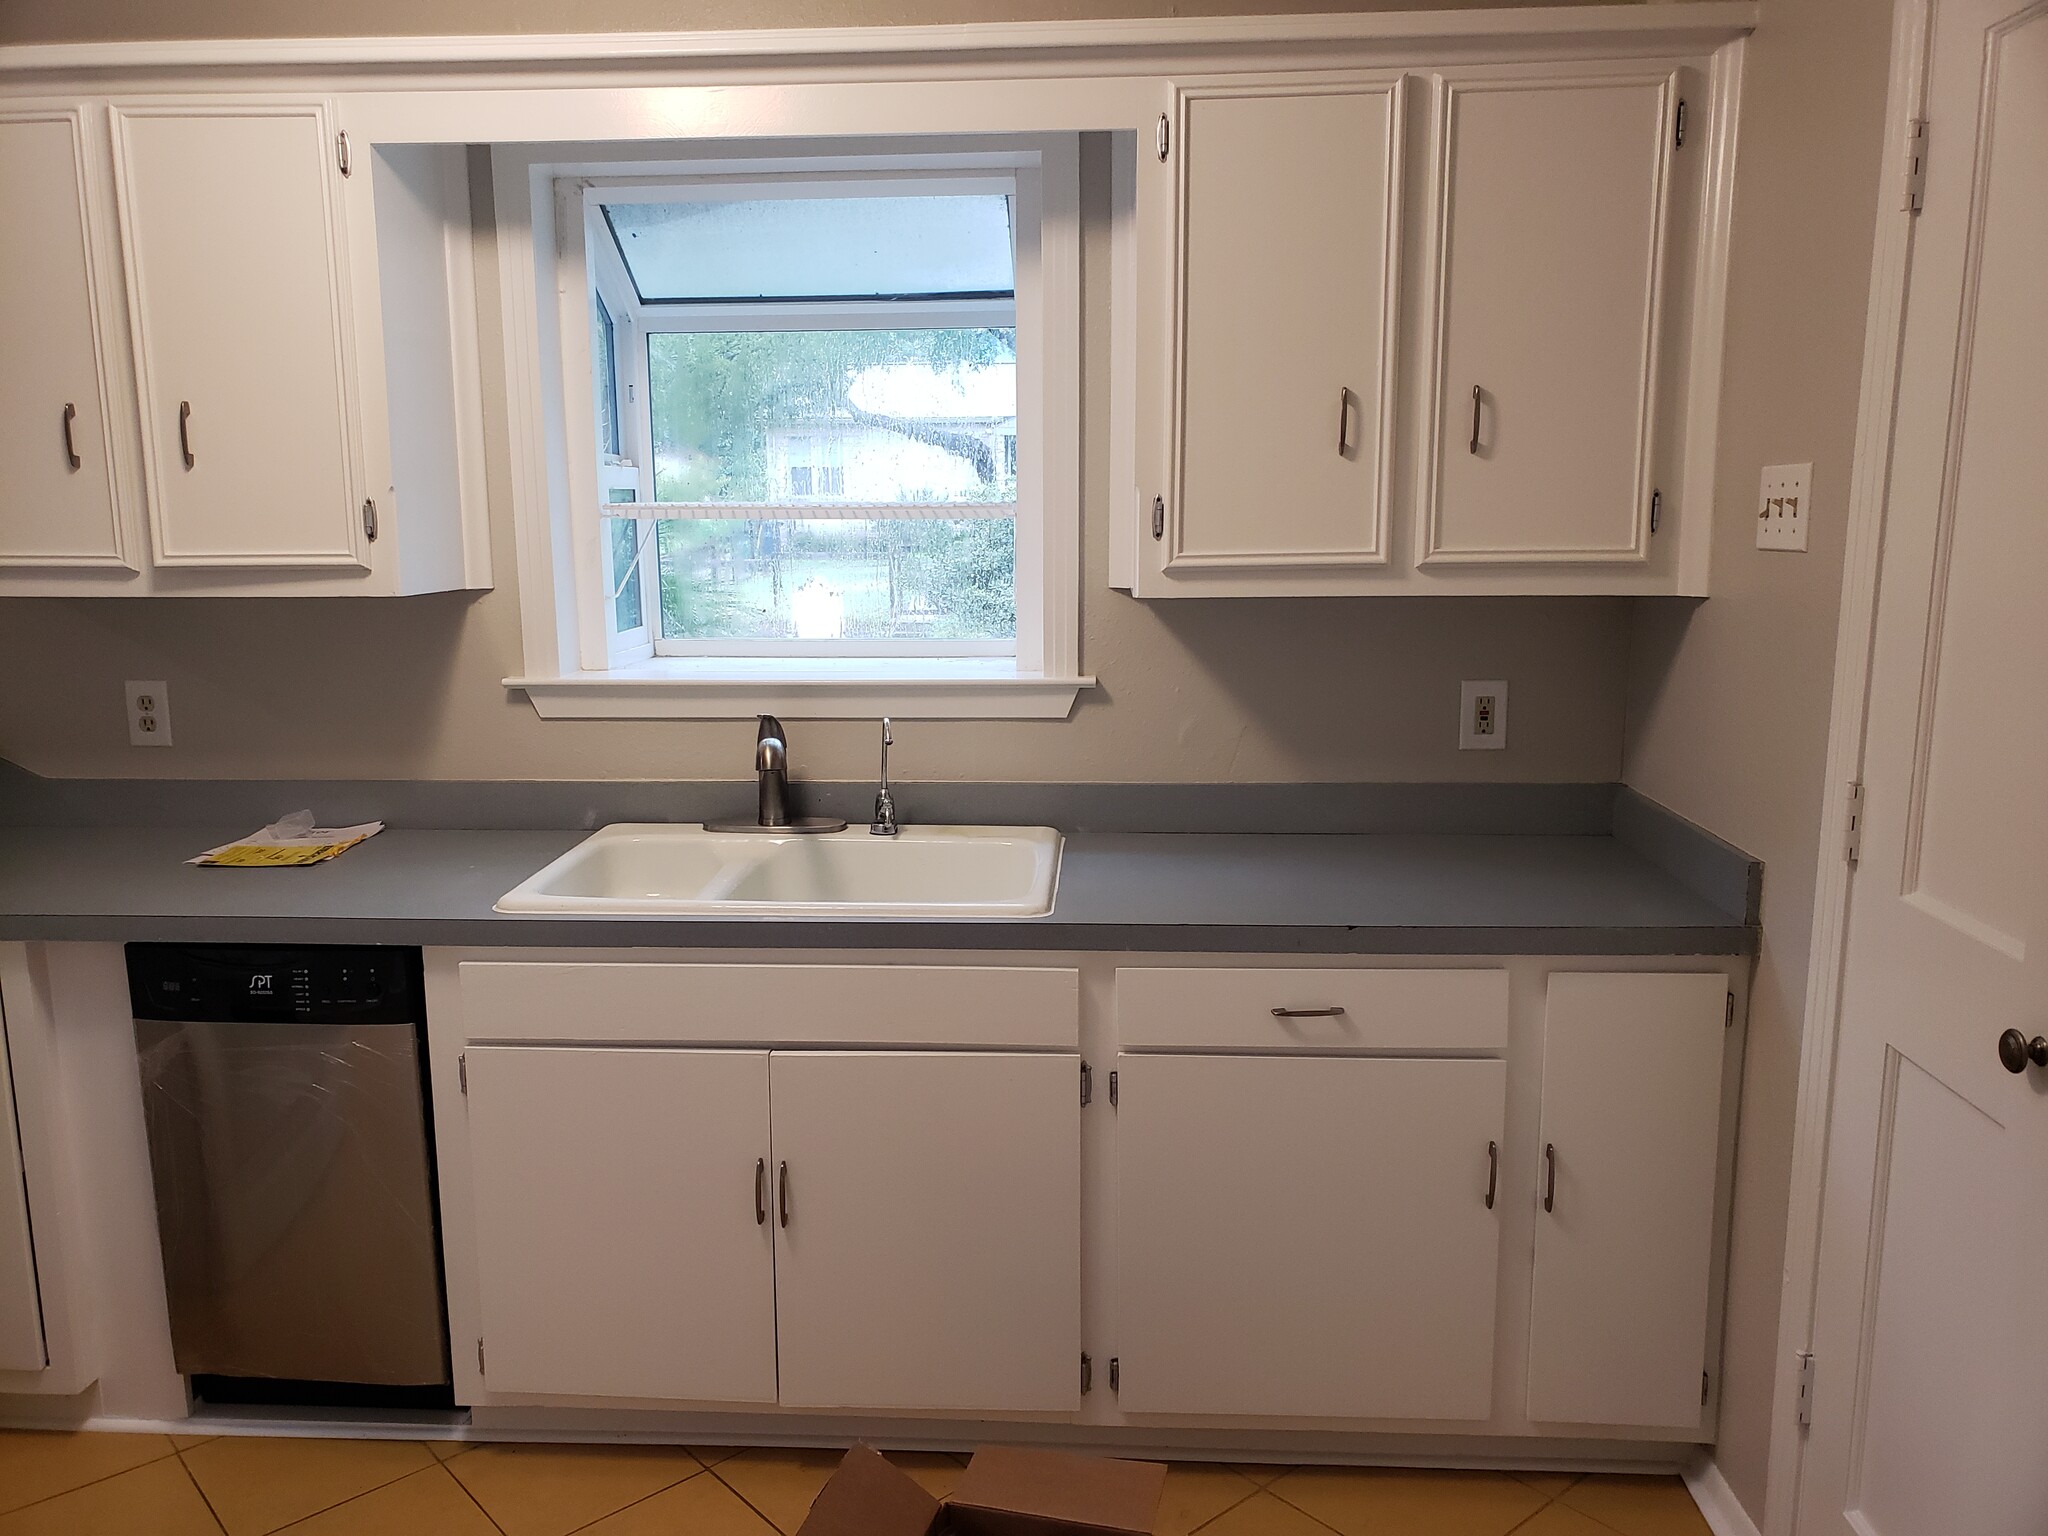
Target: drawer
(1208,1008)
(924,1005)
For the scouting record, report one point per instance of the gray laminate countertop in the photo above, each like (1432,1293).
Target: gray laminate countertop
(1339,894)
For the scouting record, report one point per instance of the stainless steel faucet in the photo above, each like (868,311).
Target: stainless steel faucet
(771,765)
(884,824)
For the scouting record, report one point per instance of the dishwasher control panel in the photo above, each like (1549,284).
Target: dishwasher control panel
(327,984)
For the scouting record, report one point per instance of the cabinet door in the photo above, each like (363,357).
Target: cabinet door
(236,293)
(21,1315)
(1288,231)
(1625,1198)
(1307,1236)
(928,1246)
(1548,287)
(621,1251)
(56,441)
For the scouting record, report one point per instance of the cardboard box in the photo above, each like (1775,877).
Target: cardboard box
(1004,1492)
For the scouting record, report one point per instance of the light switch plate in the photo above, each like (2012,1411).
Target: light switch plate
(149,714)
(1483,717)
(1783,506)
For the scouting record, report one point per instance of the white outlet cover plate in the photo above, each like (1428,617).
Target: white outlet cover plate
(149,714)
(1783,505)
(1469,695)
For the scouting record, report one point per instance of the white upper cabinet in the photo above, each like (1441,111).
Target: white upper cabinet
(62,428)
(238,296)
(1626,1187)
(1546,296)
(1288,250)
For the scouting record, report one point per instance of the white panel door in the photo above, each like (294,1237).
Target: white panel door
(1307,1236)
(929,1228)
(58,504)
(21,1313)
(1548,285)
(1930,1406)
(1289,231)
(1626,1178)
(623,1241)
(237,298)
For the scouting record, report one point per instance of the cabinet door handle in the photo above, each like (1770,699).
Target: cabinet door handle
(1474,447)
(1343,420)
(1492,1172)
(70,446)
(782,1193)
(1549,1176)
(760,1191)
(1309,1013)
(185,431)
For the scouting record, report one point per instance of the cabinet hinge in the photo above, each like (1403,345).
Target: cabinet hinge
(341,150)
(1163,135)
(1728,1019)
(1112,1090)
(1805,1358)
(1116,1375)
(1916,165)
(1678,126)
(1158,517)
(370,520)
(1656,510)
(1852,827)
(479,1357)
(462,1072)
(1087,1374)
(1087,1085)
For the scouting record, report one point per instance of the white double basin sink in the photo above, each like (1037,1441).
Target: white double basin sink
(663,870)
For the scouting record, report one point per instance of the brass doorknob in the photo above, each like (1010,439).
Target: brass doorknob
(2015,1050)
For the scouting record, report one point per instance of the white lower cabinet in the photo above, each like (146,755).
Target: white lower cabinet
(1307,1236)
(929,1252)
(620,1248)
(1626,1184)
(21,1313)
(901,1230)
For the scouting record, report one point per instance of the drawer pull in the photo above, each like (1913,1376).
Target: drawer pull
(1492,1172)
(185,433)
(70,446)
(1309,1013)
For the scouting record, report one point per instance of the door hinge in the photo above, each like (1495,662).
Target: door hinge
(370,520)
(1087,1374)
(479,1357)
(1116,1375)
(1163,135)
(1852,830)
(1656,510)
(1087,1085)
(1916,165)
(1158,517)
(1728,1020)
(462,1072)
(341,150)
(1678,126)
(1112,1090)
(1805,1358)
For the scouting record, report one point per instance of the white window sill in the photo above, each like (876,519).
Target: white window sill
(852,688)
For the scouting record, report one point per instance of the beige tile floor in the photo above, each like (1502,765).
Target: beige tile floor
(194,1485)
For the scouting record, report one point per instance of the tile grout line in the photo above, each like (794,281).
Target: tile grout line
(489,1519)
(1254,1492)
(1274,1485)
(324,1509)
(636,1503)
(762,1513)
(218,1524)
(93,1482)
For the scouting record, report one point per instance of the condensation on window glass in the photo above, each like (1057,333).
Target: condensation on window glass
(909,417)
(628,608)
(839,579)
(604,368)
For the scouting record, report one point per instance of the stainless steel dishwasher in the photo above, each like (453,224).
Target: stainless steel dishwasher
(283,1091)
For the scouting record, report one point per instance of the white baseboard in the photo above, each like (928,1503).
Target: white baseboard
(1717,1501)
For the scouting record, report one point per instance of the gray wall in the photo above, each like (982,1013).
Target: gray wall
(1211,690)
(1728,700)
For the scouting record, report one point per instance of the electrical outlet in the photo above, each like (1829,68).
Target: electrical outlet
(149,715)
(1783,506)
(1483,717)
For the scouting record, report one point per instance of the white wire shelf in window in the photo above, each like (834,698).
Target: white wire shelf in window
(806,511)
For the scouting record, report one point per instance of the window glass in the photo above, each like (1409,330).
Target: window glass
(604,367)
(700,251)
(628,611)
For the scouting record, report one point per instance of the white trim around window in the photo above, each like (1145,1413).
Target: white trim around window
(577,667)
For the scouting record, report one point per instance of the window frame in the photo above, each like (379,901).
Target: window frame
(590,671)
